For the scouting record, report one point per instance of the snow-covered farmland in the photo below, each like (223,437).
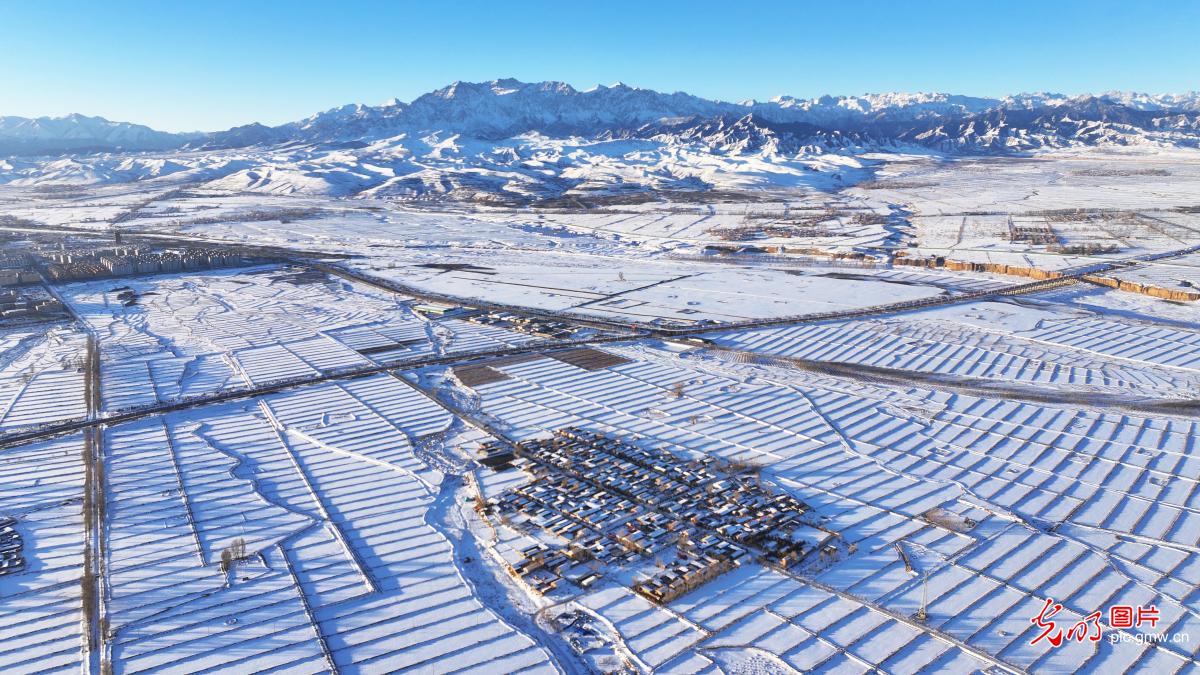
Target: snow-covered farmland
(675,291)
(878,464)
(41,375)
(171,337)
(1050,242)
(1038,344)
(41,487)
(1054,212)
(1182,273)
(819,220)
(382,229)
(347,565)
(1138,181)
(963,463)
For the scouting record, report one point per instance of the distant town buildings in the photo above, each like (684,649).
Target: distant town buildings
(126,261)
(21,304)
(17,269)
(63,260)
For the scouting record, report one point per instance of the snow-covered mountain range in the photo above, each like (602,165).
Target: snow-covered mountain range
(507,108)
(507,139)
(81,134)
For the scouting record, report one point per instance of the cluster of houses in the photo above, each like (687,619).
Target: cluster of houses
(542,567)
(18,305)
(125,261)
(18,277)
(592,519)
(689,571)
(546,328)
(11,559)
(727,500)
(616,503)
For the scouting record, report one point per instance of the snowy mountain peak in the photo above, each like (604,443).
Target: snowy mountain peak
(829,109)
(470,91)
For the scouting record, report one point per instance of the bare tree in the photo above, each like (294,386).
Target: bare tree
(235,552)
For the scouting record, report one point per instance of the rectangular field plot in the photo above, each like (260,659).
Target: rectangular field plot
(674,291)
(41,493)
(41,376)
(1044,345)
(346,565)
(654,634)
(1130,205)
(1145,345)
(824,220)
(172,337)
(1182,273)
(375,232)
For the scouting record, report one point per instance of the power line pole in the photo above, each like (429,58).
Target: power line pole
(921,613)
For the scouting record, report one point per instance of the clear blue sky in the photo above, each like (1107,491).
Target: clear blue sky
(183,65)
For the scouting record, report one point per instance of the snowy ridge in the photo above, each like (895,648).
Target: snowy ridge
(79,133)
(515,142)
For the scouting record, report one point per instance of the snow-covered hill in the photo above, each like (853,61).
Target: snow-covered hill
(515,141)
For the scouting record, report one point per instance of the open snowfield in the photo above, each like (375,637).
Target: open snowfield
(1134,179)
(817,221)
(1054,212)
(673,291)
(1177,273)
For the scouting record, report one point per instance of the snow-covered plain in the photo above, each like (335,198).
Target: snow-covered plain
(668,290)
(985,454)
(1131,204)
(193,334)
